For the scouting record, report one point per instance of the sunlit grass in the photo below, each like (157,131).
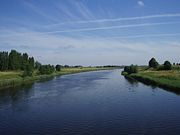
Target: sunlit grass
(169,78)
(14,78)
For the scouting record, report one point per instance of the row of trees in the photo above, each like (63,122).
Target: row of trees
(177,64)
(16,61)
(154,64)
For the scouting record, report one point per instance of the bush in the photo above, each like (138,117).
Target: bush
(167,65)
(46,69)
(153,63)
(131,69)
(28,70)
(58,67)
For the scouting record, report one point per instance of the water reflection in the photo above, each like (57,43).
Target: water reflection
(134,82)
(94,103)
(15,95)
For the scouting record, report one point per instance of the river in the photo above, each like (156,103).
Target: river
(90,103)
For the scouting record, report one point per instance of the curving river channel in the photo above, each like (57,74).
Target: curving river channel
(90,103)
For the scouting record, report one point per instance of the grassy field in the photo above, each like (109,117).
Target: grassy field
(14,78)
(166,79)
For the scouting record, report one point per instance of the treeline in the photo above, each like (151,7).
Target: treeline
(153,63)
(15,61)
(131,69)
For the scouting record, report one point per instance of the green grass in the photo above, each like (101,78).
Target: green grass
(166,79)
(10,79)
(80,69)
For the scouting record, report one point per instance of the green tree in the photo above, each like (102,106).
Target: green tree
(37,65)
(58,67)
(167,65)
(131,69)
(153,63)
(15,60)
(46,69)
(24,61)
(4,60)
(31,62)
(28,70)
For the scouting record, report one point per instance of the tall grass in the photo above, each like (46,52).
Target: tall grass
(166,79)
(13,79)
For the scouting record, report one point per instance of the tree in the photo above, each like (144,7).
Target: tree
(14,60)
(167,65)
(153,63)
(28,70)
(24,61)
(58,67)
(46,69)
(4,60)
(31,62)
(66,66)
(37,65)
(131,69)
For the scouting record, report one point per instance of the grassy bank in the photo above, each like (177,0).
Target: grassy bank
(14,78)
(168,79)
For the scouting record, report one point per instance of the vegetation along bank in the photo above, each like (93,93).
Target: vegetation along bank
(18,69)
(166,75)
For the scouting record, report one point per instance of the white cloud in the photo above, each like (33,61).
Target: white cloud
(116,19)
(55,49)
(114,27)
(140,3)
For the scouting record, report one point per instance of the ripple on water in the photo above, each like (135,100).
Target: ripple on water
(101,102)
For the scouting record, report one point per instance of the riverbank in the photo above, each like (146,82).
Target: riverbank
(168,79)
(12,79)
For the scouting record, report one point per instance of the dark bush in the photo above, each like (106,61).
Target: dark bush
(58,67)
(167,65)
(28,70)
(46,69)
(153,63)
(131,69)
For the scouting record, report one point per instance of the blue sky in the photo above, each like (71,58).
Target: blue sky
(92,32)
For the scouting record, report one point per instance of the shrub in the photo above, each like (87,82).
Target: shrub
(167,65)
(58,67)
(46,69)
(131,69)
(28,70)
(153,63)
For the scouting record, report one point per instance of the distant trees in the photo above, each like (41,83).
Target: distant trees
(153,63)
(131,69)
(46,69)
(37,65)
(167,65)
(24,61)
(4,61)
(66,66)
(16,61)
(58,67)
(31,62)
(28,70)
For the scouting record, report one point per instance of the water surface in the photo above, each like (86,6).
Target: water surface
(91,103)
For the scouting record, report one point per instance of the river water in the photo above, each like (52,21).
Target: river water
(90,103)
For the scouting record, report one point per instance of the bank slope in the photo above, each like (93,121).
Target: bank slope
(165,79)
(14,78)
